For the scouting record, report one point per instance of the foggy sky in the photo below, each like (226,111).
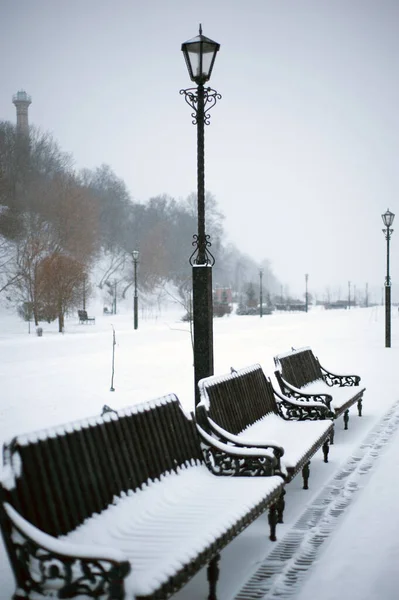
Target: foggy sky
(302,150)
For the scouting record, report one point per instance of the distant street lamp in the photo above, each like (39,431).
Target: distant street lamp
(114,291)
(135,255)
(260,293)
(349,295)
(306,291)
(84,290)
(200,53)
(387,219)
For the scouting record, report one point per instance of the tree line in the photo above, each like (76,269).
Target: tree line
(58,224)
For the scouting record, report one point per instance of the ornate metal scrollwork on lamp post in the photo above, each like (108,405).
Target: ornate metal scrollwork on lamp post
(387,219)
(200,53)
(135,255)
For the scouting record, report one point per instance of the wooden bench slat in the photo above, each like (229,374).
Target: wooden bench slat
(74,504)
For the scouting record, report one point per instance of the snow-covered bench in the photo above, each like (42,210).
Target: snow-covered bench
(84,318)
(242,408)
(123,505)
(301,376)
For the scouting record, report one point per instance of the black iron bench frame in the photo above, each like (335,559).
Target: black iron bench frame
(56,479)
(300,367)
(84,318)
(231,403)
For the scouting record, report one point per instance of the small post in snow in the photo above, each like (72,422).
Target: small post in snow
(112,389)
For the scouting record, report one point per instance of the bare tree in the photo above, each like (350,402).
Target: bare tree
(60,280)
(72,212)
(37,243)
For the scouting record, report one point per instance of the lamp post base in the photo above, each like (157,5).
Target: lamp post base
(387,316)
(203,324)
(136,314)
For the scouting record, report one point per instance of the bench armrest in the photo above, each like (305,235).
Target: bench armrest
(341,380)
(239,457)
(226,436)
(291,391)
(49,563)
(301,410)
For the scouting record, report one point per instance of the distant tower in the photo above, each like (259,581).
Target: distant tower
(22,102)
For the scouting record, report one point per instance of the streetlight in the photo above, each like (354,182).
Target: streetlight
(260,293)
(114,291)
(387,219)
(199,54)
(84,290)
(306,291)
(135,255)
(349,295)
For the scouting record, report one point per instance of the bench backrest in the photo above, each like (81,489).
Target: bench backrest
(239,399)
(57,478)
(299,367)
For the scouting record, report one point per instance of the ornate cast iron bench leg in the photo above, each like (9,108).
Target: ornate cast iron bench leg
(273,518)
(305,475)
(359,407)
(326,449)
(346,418)
(281,507)
(213,574)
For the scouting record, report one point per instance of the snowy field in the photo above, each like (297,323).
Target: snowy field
(62,377)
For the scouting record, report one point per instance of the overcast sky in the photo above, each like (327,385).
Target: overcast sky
(302,150)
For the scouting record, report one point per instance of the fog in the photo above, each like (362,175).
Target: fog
(301,151)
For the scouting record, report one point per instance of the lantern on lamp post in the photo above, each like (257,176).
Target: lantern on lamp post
(200,54)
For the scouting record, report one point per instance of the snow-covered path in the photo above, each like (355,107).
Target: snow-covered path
(331,545)
(58,378)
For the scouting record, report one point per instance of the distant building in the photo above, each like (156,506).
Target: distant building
(223,295)
(222,299)
(336,304)
(21,100)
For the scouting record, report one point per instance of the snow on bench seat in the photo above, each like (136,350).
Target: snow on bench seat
(294,436)
(341,396)
(168,523)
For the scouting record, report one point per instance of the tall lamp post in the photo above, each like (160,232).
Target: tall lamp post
(349,295)
(260,293)
(114,302)
(387,219)
(135,255)
(200,53)
(306,291)
(84,291)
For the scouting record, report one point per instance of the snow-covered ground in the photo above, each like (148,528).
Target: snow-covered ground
(61,377)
